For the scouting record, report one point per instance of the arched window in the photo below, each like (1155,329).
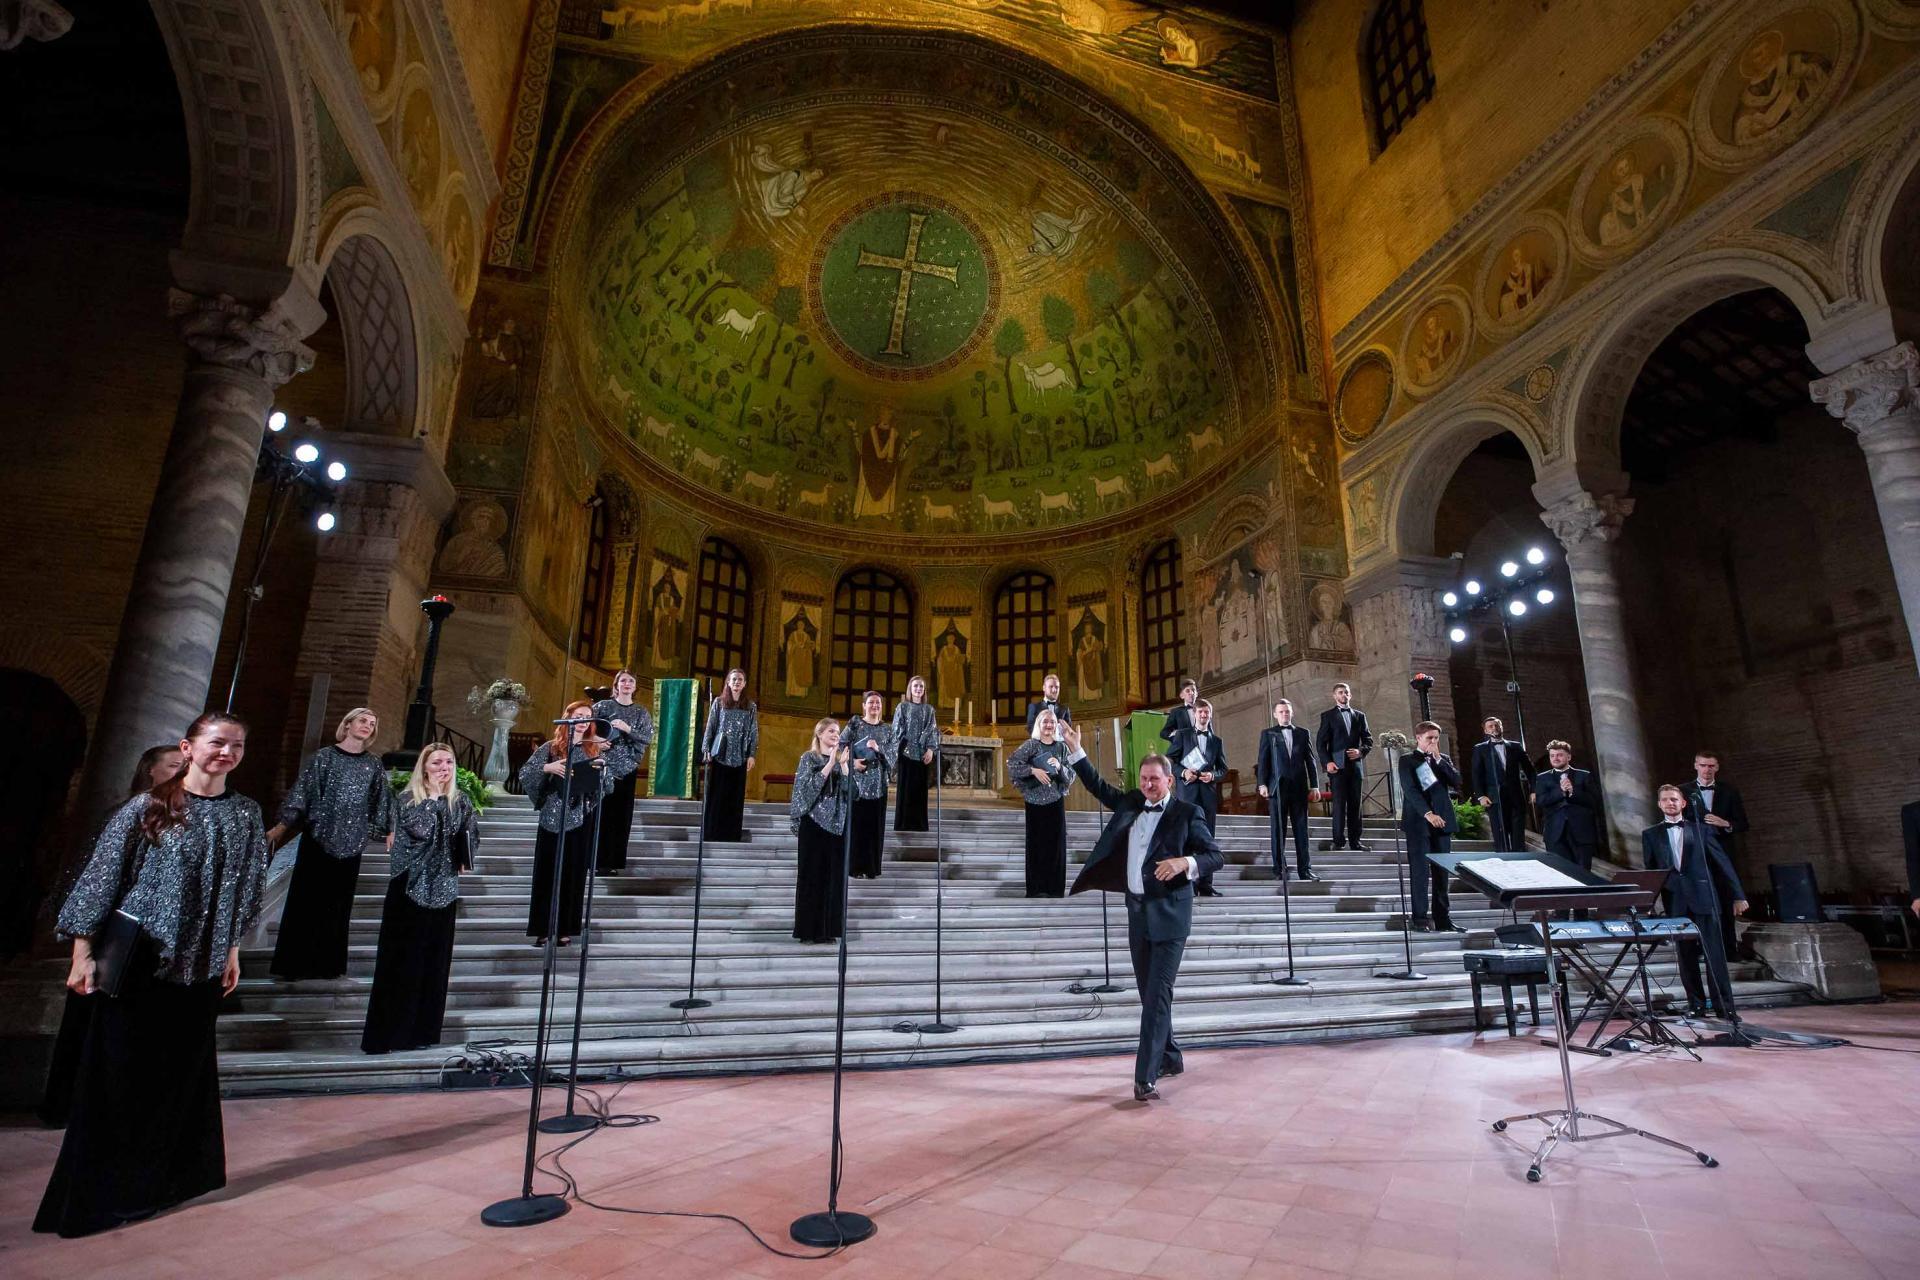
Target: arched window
(872,638)
(1161,623)
(720,610)
(1023,634)
(597,587)
(1399,67)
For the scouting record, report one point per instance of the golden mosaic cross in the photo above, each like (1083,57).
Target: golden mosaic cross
(907,264)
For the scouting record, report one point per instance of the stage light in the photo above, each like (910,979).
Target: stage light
(1509,569)
(336,471)
(1471,587)
(276,422)
(1544,595)
(325,521)
(306,453)
(1458,635)
(1516,607)
(1536,556)
(1450,599)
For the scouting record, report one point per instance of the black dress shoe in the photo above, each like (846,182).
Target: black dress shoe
(1447,926)
(1308,875)
(1168,1072)
(1361,846)
(1208,891)
(1422,925)
(1145,1093)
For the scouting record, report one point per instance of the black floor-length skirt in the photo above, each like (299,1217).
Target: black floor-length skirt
(910,796)
(1047,850)
(869,819)
(573,879)
(57,1100)
(312,942)
(144,1133)
(726,801)
(616,824)
(820,888)
(409,999)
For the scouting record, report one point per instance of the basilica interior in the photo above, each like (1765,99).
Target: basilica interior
(976,341)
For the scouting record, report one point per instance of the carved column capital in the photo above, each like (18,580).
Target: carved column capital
(1868,392)
(22,20)
(224,331)
(1587,518)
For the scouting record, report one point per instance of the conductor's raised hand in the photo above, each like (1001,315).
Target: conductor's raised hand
(1071,732)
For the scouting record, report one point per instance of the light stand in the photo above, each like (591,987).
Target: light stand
(939,1026)
(528,1209)
(1506,598)
(1286,895)
(1408,974)
(572,1121)
(691,1001)
(836,1227)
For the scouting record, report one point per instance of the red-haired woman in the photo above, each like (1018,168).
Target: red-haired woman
(178,871)
(596,764)
(729,743)
(340,801)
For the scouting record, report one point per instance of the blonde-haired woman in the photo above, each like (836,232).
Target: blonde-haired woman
(340,801)
(818,815)
(435,837)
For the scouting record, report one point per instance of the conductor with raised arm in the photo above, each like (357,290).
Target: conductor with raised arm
(1152,850)
(1343,743)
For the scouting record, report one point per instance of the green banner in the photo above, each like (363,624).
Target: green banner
(1141,739)
(676,728)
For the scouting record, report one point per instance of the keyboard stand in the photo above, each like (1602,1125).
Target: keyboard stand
(1619,997)
(1565,1123)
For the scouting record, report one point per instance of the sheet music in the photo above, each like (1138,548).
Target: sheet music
(1426,776)
(1196,760)
(1509,874)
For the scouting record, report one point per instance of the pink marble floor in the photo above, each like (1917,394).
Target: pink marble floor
(1369,1159)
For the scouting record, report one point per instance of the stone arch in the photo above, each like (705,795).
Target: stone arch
(77,667)
(1420,482)
(378,326)
(1240,517)
(249,116)
(1880,261)
(1608,363)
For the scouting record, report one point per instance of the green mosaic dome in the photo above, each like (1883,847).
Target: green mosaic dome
(904,286)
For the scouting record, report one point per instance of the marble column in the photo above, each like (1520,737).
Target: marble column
(1879,400)
(163,659)
(1588,526)
(1397,632)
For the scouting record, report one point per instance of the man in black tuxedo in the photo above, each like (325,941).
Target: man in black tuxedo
(1049,701)
(1502,779)
(1343,743)
(1569,804)
(1427,781)
(1200,762)
(1690,852)
(1910,836)
(1286,774)
(1181,717)
(1152,850)
(1721,807)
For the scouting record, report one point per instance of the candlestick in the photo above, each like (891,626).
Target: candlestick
(969,710)
(956,711)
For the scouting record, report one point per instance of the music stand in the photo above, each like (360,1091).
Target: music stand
(1591,891)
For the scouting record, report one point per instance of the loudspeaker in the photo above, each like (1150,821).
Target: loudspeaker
(1796,891)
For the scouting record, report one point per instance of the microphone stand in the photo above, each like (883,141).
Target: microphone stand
(528,1209)
(1734,1035)
(1286,897)
(691,1001)
(837,1228)
(572,1121)
(1107,985)
(1408,974)
(939,1025)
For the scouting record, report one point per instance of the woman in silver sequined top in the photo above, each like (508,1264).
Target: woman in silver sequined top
(629,726)
(1038,768)
(435,838)
(543,778)
(915,737)
(339,802)
(870,738)
(728,746)
(185,863)
(818,814)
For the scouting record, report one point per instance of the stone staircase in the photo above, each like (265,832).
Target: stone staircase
(1009,965)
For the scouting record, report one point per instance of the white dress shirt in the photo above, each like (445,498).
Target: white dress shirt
(1706,795)
(1140,839)
(1677,842)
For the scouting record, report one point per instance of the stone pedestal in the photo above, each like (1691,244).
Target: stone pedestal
(1879,400)
(1831,958)
(1588,526)
(505,712)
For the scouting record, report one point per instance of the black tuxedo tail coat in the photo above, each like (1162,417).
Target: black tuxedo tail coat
(1333,741)
(1276,768)
(1181,717)
(1690,889)
(1910,836)
(1575,817)
(1182,833)
(1727,803)
(1060,710)
(1490,780)
(1183,742)
(1417,802)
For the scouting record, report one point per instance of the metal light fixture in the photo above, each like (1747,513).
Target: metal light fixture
(1536,557)
(306,451)
(1471,586)
(276,422)
(1450,599)
(1507,598)
(1509,569)
(325,521)
(1544,595)
(1458,635)
(1516,607)
(336,471)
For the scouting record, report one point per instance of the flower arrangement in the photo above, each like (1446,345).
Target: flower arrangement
(480,701)
(1393,740)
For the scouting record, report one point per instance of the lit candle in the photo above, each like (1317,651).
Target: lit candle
(969,710)
(956,711)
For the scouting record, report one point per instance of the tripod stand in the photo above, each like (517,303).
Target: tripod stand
(572,1121)
(691,1001)
(939,1025)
